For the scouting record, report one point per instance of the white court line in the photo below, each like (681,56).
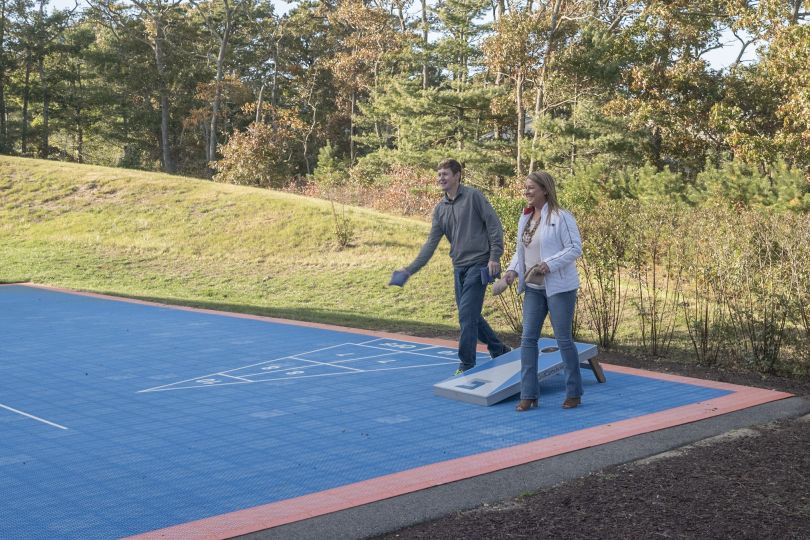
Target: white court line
(12,409)
(314,363)
(165,389)
(224,374)
(413,345)
(209,375)
(420,352)
(293,356)
(339,363)
(298,357)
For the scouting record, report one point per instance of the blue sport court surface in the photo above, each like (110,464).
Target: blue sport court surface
(121,418)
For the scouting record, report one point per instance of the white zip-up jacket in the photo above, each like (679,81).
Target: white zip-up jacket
(560,246)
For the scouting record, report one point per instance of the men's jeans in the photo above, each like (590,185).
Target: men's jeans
(470,300)
(536,305)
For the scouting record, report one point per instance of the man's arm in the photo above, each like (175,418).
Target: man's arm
(429,247)
(494,230)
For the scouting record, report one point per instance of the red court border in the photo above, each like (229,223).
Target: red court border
(332,500)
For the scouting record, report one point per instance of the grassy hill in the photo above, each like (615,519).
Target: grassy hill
(195,242)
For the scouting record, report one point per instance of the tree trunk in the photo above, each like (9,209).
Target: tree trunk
(499,11)
(540,96)
(656,143)
(260,103)
(351,127)
(538,104)
(26,100)
(3,128)
(424,45)
(46,106)
(275,75)
(223,47)
(212,139)
(79,136)
(521,122)
(311,128)
(574,131)
(168,164)
(160,62)
(78,110)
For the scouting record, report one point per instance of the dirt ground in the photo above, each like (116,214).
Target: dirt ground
(748,484)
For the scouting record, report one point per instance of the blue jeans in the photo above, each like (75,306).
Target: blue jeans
(470,300)
(536,305)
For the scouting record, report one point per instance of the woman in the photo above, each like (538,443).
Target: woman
(545,266)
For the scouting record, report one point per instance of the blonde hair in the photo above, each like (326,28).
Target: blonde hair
(546,182)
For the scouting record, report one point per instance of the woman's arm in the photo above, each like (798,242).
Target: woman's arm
(568,235)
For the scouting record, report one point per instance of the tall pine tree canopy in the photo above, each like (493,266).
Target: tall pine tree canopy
(238,91)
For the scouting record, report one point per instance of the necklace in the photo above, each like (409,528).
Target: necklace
(528,232)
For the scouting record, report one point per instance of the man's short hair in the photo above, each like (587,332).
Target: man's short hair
(452,164)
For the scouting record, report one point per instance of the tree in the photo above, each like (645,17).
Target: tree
(76,86)
(364,39)
(221,18)
(38,33)
(669,88)
(155,22)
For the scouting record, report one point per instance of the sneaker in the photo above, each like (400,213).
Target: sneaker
(459,371)
(506,350)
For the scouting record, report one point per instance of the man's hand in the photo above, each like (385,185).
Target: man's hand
(494,268)
(399,277)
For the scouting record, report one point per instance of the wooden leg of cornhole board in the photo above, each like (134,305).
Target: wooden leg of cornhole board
(596,367)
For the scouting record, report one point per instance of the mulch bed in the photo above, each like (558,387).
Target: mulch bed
(750,486)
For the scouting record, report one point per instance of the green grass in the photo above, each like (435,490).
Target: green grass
(199,243)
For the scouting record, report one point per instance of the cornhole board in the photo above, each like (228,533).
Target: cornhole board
(499,379)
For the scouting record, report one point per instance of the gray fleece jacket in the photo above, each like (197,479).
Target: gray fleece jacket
(471,226)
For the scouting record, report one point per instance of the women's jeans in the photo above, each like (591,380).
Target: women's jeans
(536,305)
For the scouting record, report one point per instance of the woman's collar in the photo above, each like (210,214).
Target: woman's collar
(530,209)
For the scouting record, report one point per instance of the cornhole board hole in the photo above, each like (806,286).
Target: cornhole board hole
(499,379)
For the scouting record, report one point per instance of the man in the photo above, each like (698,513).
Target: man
(475,234)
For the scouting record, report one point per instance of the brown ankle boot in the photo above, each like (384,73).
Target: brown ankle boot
(526,404)
(571,402)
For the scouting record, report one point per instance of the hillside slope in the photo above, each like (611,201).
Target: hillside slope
(196,242)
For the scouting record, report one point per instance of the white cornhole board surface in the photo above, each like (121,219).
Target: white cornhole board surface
(495,380)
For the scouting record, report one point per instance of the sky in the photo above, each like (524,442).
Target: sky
(718,58)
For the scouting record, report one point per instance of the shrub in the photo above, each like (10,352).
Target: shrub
(263,155)
(344,228)
(756,291)
(604,288)
(705,312)
(656,264)
(330,171)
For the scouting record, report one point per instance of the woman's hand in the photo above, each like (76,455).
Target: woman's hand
(543,267)
(503,283)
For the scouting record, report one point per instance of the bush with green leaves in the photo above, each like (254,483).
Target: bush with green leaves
(739,185)
(262,154)
(603,267)
(330,171)
(731,284)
